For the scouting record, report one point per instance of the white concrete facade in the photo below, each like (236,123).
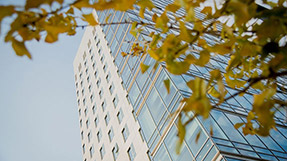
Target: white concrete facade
(95,76)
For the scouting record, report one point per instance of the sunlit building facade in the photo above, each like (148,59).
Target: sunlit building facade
(127,115)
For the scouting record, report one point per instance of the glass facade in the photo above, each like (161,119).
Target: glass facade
(154,108)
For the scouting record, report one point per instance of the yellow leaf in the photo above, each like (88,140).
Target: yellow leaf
(90,19)
(238,125)
(207,10)
(124,54)
(144,67)
(240,10)
(211,130)
(185,34)
(213,92)
(198,26)
(167,85)
(107,18)
(197,136)
(225,48)
(190,16)
(181,135)
(141,13)
(71,10)
(32,4)
(82,4)
(143,5)
(20,48)
(203,59)
(5,11)
(133,30)
(201,42)
(37,3)
(172,7)
(177,68)
(154,17)
(161,22)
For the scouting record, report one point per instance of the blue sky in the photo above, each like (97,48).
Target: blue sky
(38,111)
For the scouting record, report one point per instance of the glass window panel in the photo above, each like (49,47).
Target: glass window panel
(204,150)
(161,154)
(115,152)
(102,151)
(282,141)
(226,125)
(134,93)
(155,105)
(131,152)
(146,122)
(111,134)
(141,79)
(192,130)
(162,89)
(185,155)
(252,139)
(211,154)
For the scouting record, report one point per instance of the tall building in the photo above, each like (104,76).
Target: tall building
(127,115)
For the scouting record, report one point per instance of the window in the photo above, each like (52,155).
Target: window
(115,152)
(107,119)
(131,152)
(81,123)
(104,105)
(120,115)
(92,58)
(125,133)
(96,74)
(94,66)
(86,111)
(77,93)
(112,88)
(83,91)
(108,77)
(102,58)
(88,79)
(81,83)
(92,151)
(89,136)
(82,135)
(92,98)
(105,67)
(102,152)
(101,93)
(100,50)
(81,74)
(87,71)
(76,85)
(90,88)
(94,109)
(89,43)
(111,134)
(96,121)
(83,148)
(87,123)
(85,63)
(84,101)
(78,102)
(79,112)
(115,101)
(99,135)
(99,82)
